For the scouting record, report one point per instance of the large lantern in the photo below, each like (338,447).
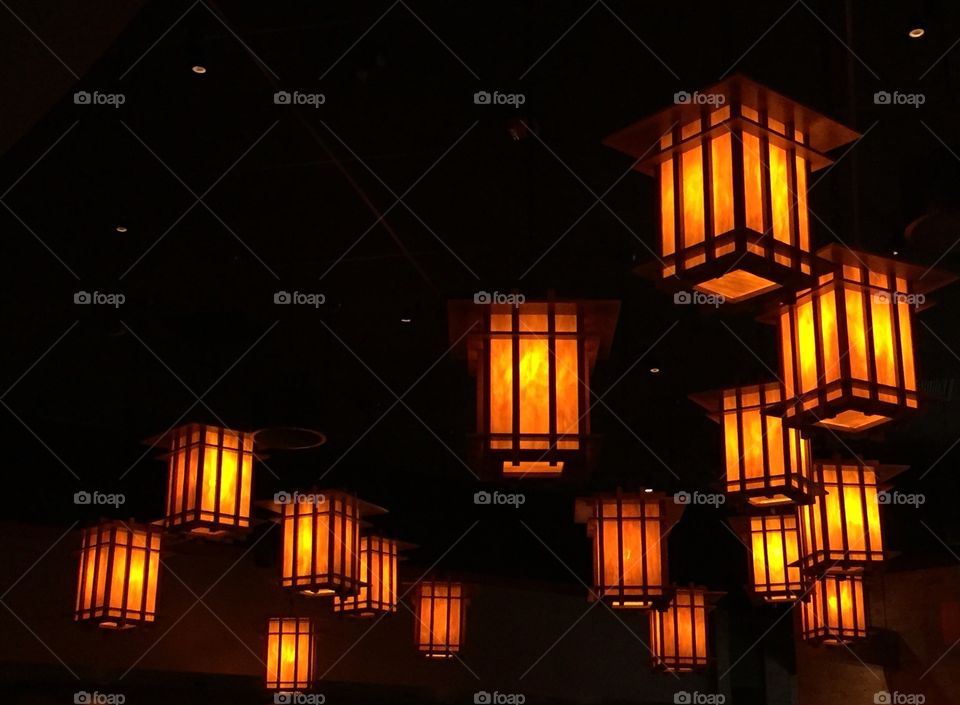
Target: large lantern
(774,544)
(209,478)
(441,613)
(835,612)
(678,634)
(321,542)
(765,462)
(840,531)
(290,654)
(532,362)
(846,346)
(378,580)
(732,165)
(629,533)
(117,581)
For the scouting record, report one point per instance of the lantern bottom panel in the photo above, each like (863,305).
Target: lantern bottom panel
(533,467)
(113,619)
(737,285)
(833,637)
(848,407)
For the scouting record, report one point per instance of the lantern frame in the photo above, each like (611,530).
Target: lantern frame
(429,642)
(302,632)
(379,563)
(106,568)
(730,172)
(690,607)
(502,446)
(653,512)
(782,473)
(213,502)
(829,616)
(773,541)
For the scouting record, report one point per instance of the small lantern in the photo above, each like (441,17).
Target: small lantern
(678,634)
(290,654)
(846,346)
(629,533)
(841,529)
(765,463)
(321,543)
(208,481)
(774,542)
(378,577)
(532,362)
(117,581)
(732,165)
(835,612)
(441,613)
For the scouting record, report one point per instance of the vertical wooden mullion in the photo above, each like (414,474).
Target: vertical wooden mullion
(741,455)
(709,246)
(766,198)
(554,439)
(739,182)
(680,249)
(515,398)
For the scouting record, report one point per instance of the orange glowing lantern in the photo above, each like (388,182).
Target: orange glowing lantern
(378,578)
(840,531)
(532,362)
(629,533)
(290,654)
(678,634)
(441,613)
(774,543)
(732,165)
(117,581)
(208,481)
(765,463)
(321,543)
(835,612)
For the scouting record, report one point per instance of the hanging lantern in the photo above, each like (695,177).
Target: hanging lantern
(765,463)
(835,612)
(441,613)
(208,481)
(774,543)
(117,581)
(678,634)
(321,543)
(532,362)
(846,346)
(629,533)
(290,654)
(841,529)
(378,578)
(732,165)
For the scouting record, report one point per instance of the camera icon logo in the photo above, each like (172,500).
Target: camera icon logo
(681,498)
(882,98)
(682,97)
(482,98)
(682,697)
(482,297)
(282,98)
(82,297)
(482,697)
(82,698)
(82,98)
(882,697)
(282,297)
(682,297)
(282,497)
(482,497)
(82,497)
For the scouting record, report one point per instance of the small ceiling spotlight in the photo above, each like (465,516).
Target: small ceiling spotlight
(121,228)
(198,69)
(654,370)
(916,33)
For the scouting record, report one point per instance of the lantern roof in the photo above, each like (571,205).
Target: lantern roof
(712,400)
(884,471)
(585,508)
(824,134)
(923,279)
(366,508)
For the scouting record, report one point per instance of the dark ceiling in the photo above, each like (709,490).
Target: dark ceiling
(305,199)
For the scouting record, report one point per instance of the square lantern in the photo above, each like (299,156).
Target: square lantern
(765,463)
(629,533)
(532,362)
(378,580)
(846,345)
(835,611)
(441,612)
(732,165)
(840,531)
(678,634)
(774,544)
(117,580)
(208,480)
(291,654)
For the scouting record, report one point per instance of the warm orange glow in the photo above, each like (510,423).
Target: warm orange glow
(542,469)
(117,579)
(290,654)
(691,180)
(678,635)
(440,621)
(721,183)
(321,544)
(737,285)
(629,550)
(835,612)
(208,480)
(780,197)
(841,529)
(775,548)
(378,576)
(667,214)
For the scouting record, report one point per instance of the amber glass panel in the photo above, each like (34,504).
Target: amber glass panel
(856,332)
(829,333)
(721,165)
(691,164)
(289,654)
(752,175)
(568,382)
(806,345)
(667,213)
(439,619)
(802,215)
(906,345)
(780,194)
(884,357)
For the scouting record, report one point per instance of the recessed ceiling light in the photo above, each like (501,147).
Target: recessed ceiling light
(916,32)
(121,228)
(405,320)
(648,490)
(654,370)
(199,69)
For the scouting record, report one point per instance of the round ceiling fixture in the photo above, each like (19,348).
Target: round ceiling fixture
(916,32)
(198,69)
